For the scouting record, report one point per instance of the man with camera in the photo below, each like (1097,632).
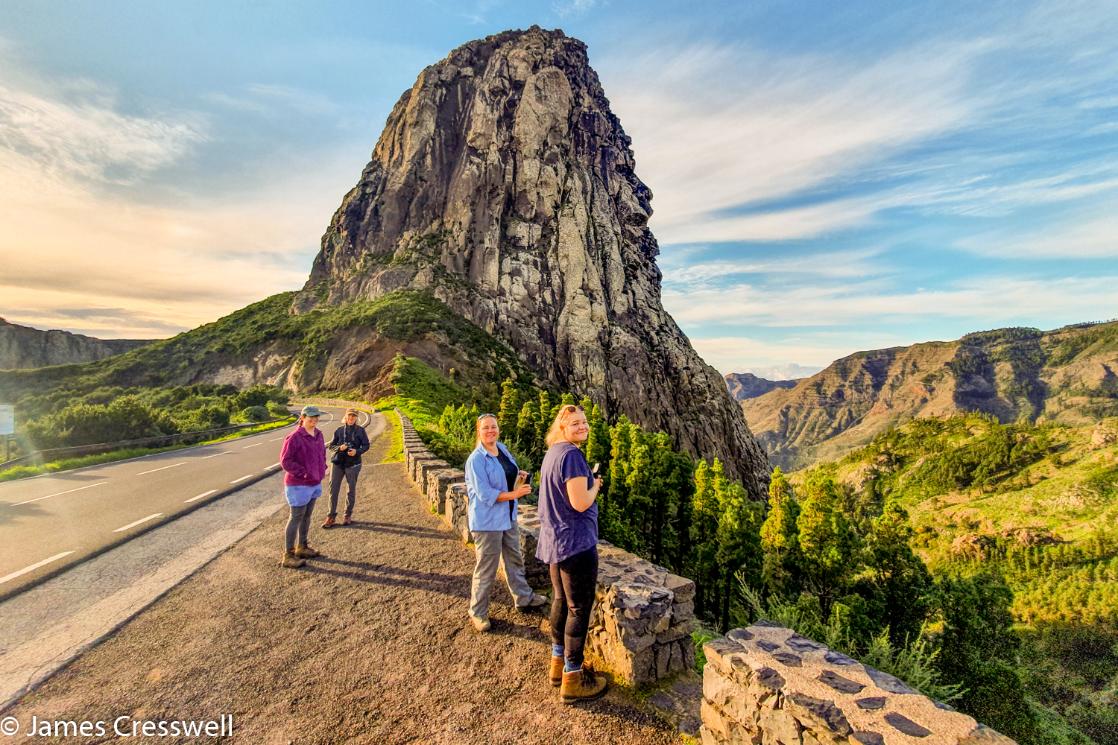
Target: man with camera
(349,442)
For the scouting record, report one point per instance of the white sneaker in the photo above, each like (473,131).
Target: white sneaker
(536,601)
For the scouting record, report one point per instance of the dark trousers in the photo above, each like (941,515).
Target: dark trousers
(336,475)
(574,582)
(298,525)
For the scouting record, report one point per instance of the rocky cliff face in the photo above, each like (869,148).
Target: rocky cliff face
(748,385)
(1067,375)
(505,186)
(24,347)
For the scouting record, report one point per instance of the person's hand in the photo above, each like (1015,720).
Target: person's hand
(598,483)
(351,451)
(522,491)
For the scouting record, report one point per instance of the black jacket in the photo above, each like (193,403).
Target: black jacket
(353,437)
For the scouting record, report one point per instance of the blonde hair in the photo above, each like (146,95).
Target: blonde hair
(477,427)
(555,432)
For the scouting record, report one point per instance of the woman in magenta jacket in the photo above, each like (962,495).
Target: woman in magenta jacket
(303,459)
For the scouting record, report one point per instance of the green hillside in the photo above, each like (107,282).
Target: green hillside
(1036,503)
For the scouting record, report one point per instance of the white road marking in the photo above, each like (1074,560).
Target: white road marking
(58,494)
(33,567)
(203,494)
(204,457)
(274,465)
(164,468)
(277,439)
(253,445)
(242,478)
(141,520)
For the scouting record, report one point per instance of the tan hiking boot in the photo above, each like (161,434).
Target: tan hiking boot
(582,685)
(291,561)
(306,552)
(481,624)
(329,523)
(555,672)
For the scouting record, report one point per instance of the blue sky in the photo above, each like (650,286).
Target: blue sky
(828,177)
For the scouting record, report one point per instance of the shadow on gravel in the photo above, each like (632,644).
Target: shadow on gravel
(361,571)
(411,532)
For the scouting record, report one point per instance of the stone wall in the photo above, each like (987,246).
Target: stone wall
(770,686)
(641,625)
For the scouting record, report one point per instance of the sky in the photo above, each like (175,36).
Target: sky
(827,177)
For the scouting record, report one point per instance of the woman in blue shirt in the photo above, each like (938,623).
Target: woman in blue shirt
(491,475)
(569,546)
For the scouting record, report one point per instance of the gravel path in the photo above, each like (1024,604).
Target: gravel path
(370,644)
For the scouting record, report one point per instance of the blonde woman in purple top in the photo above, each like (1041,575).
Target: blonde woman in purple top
(568,544)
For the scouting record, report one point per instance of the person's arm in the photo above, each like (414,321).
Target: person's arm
(579,496)
(484,492)
(335,441)
(289,459)
(362,441)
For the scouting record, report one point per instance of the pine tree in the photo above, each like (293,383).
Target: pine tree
(704,547)
(780,540)
(527,425)
(544,417)
(901,583)
(828,543)
(737,536)
(509,408)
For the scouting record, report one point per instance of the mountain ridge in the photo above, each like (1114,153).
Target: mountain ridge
(1065,375)
(23,347)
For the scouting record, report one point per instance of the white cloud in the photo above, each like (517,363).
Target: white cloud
(985,302)
(828,265)
(1087,238)
(89,139)
(73,252)
(771,359)
(723,126)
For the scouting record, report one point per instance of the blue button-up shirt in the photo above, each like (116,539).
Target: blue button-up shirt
(485,480)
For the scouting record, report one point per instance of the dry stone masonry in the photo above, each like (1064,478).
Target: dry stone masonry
(768,685)
(641,627)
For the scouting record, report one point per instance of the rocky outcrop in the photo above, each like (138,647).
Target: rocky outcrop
(747,385)
(23,347)
(505,186)
(1067,375)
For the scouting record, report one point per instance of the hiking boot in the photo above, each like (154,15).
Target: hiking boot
(329,523)
(555,672)
(291,561)
(306,552)
(481,624)
(347,520)
(582,685)
(536,601)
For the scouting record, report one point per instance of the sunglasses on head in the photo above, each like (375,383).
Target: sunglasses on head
(484,416)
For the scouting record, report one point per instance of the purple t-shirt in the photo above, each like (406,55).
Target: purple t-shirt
(564,531)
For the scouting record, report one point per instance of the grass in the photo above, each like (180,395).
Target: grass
(68,464)
(395,450)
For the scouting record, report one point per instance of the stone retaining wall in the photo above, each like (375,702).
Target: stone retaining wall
(641,625)
(767,684)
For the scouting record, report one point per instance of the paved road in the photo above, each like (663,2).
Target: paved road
(51,522)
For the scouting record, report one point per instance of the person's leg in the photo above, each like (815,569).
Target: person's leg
(337,473)
(305,524)
(294,521)
(558,610)
(579,576)
(487,547)
(513,560)
(351,474)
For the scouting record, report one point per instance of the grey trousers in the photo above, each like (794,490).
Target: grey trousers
(493,547)
(298,524)
(350,474)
